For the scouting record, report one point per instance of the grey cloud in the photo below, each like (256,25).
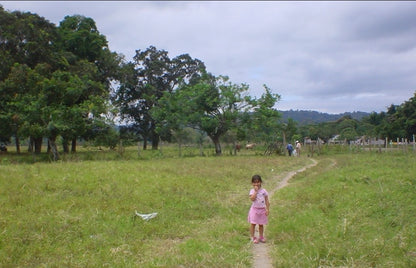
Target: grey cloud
(325,56)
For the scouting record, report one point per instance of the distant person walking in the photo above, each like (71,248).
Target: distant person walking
(298,148)
(289,148)
(259,210)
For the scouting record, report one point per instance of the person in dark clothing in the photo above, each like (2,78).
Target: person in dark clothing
(289,148)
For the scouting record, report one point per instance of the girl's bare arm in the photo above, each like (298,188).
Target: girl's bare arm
(267,205)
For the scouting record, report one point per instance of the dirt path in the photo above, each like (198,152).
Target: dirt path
(261,251)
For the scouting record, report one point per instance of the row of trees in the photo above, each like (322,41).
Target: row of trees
(53,80)
(160,97)
(63,81)
(399,121)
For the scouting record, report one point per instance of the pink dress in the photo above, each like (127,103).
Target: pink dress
(257,212)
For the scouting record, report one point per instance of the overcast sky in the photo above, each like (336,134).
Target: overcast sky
(328,56)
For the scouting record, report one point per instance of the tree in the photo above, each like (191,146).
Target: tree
(290,130)
(25,38)
(407,117)
(85,53)
(79,35)
(53,81)
(264,123)
(212,105)
(346,127)
(146,80)
(169,119)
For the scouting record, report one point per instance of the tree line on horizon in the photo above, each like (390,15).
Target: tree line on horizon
(63,83)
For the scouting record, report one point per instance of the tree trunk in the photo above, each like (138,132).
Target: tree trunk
(31,144)
(65,145)
(17,144)
(54,149)
(216,141)
(74,145)
(180,147)
(155,141)
(48,151)
(38,145)
(201,149)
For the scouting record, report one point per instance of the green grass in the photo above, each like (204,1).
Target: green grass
(359,213)
(79,212)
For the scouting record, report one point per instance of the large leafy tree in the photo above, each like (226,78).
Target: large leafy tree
(391,126)
(80,36)
(86,53)
(144,82)
(54,81)
(347,128)
(26,39)
(211,105)
(47,104)
(265,123)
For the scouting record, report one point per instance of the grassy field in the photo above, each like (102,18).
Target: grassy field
(354,210)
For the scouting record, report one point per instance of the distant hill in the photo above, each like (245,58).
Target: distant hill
(312,117)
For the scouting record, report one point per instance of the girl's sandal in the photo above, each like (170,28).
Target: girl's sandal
(262,239)
(255,241)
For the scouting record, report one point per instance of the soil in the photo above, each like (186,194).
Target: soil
(261,250)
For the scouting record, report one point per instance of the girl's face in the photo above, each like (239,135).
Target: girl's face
(256,183)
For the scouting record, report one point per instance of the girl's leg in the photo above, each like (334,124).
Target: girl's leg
(252,229)
(261,232)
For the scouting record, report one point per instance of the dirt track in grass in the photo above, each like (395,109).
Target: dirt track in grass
(261,251)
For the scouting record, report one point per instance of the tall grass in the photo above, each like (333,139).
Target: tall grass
(81,213)
(361,212)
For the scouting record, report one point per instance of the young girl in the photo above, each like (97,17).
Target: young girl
(259,209)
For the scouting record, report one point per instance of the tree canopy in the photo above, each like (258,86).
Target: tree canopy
(55,80)
(63,82)
(144,82)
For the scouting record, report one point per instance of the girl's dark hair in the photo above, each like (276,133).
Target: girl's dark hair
(256,178)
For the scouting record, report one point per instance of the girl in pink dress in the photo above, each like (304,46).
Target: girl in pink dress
(259,210)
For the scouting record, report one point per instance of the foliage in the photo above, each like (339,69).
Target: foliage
(304,117)
(26,38)
(211,105)
(398,122)
(264,124)
(79,35)
(55,80)
(146,80)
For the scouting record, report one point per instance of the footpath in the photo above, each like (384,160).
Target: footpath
(261,250)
